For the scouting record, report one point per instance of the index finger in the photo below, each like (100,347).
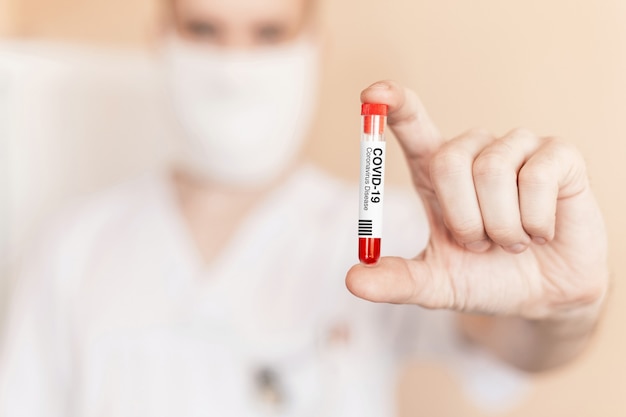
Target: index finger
(407,117)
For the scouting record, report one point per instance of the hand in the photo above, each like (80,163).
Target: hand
(515,229)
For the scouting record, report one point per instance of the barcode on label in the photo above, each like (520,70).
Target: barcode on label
(365,228)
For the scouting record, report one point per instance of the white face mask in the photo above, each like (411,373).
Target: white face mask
(245,113)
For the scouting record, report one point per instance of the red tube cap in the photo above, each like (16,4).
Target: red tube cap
(371,109)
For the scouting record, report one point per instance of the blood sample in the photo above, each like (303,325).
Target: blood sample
(373,152)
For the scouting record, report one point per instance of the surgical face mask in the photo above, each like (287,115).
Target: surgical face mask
(245,113)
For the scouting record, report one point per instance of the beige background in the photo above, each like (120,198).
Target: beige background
(558,67)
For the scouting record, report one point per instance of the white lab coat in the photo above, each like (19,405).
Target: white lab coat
(116,315)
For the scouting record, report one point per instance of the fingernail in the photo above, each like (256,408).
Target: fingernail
(539,240)
(517,248)
(480,246)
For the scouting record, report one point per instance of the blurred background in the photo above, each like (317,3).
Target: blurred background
(80,104)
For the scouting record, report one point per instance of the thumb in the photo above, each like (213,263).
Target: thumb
(400,281)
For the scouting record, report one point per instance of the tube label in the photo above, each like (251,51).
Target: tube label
(372,189)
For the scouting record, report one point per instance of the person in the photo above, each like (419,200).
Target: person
(216,288)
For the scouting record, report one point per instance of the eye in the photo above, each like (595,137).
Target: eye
(201,29)
(271,33)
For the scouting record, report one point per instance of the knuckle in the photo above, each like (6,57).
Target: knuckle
(490,164)
(572,152)
(503,235)
(466,230)
(477,132)
(561,148)
(521,132)
(569,163)
(534,175)
(538,225)
(556,141)
(448,161)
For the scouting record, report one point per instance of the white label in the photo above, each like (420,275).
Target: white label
(372,189)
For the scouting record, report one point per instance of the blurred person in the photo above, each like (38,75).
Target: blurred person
(214,288)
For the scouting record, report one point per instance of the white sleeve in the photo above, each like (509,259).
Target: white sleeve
(35,356)
(433,336)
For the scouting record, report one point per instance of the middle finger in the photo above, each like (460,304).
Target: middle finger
(495,173)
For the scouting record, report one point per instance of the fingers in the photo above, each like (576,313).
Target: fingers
(495,173)
(483,190)
(547,175)
(556,171)
(453,182)
(503,191)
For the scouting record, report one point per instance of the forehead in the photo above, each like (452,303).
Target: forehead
(241,9)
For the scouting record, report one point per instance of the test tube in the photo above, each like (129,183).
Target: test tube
(372,184)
